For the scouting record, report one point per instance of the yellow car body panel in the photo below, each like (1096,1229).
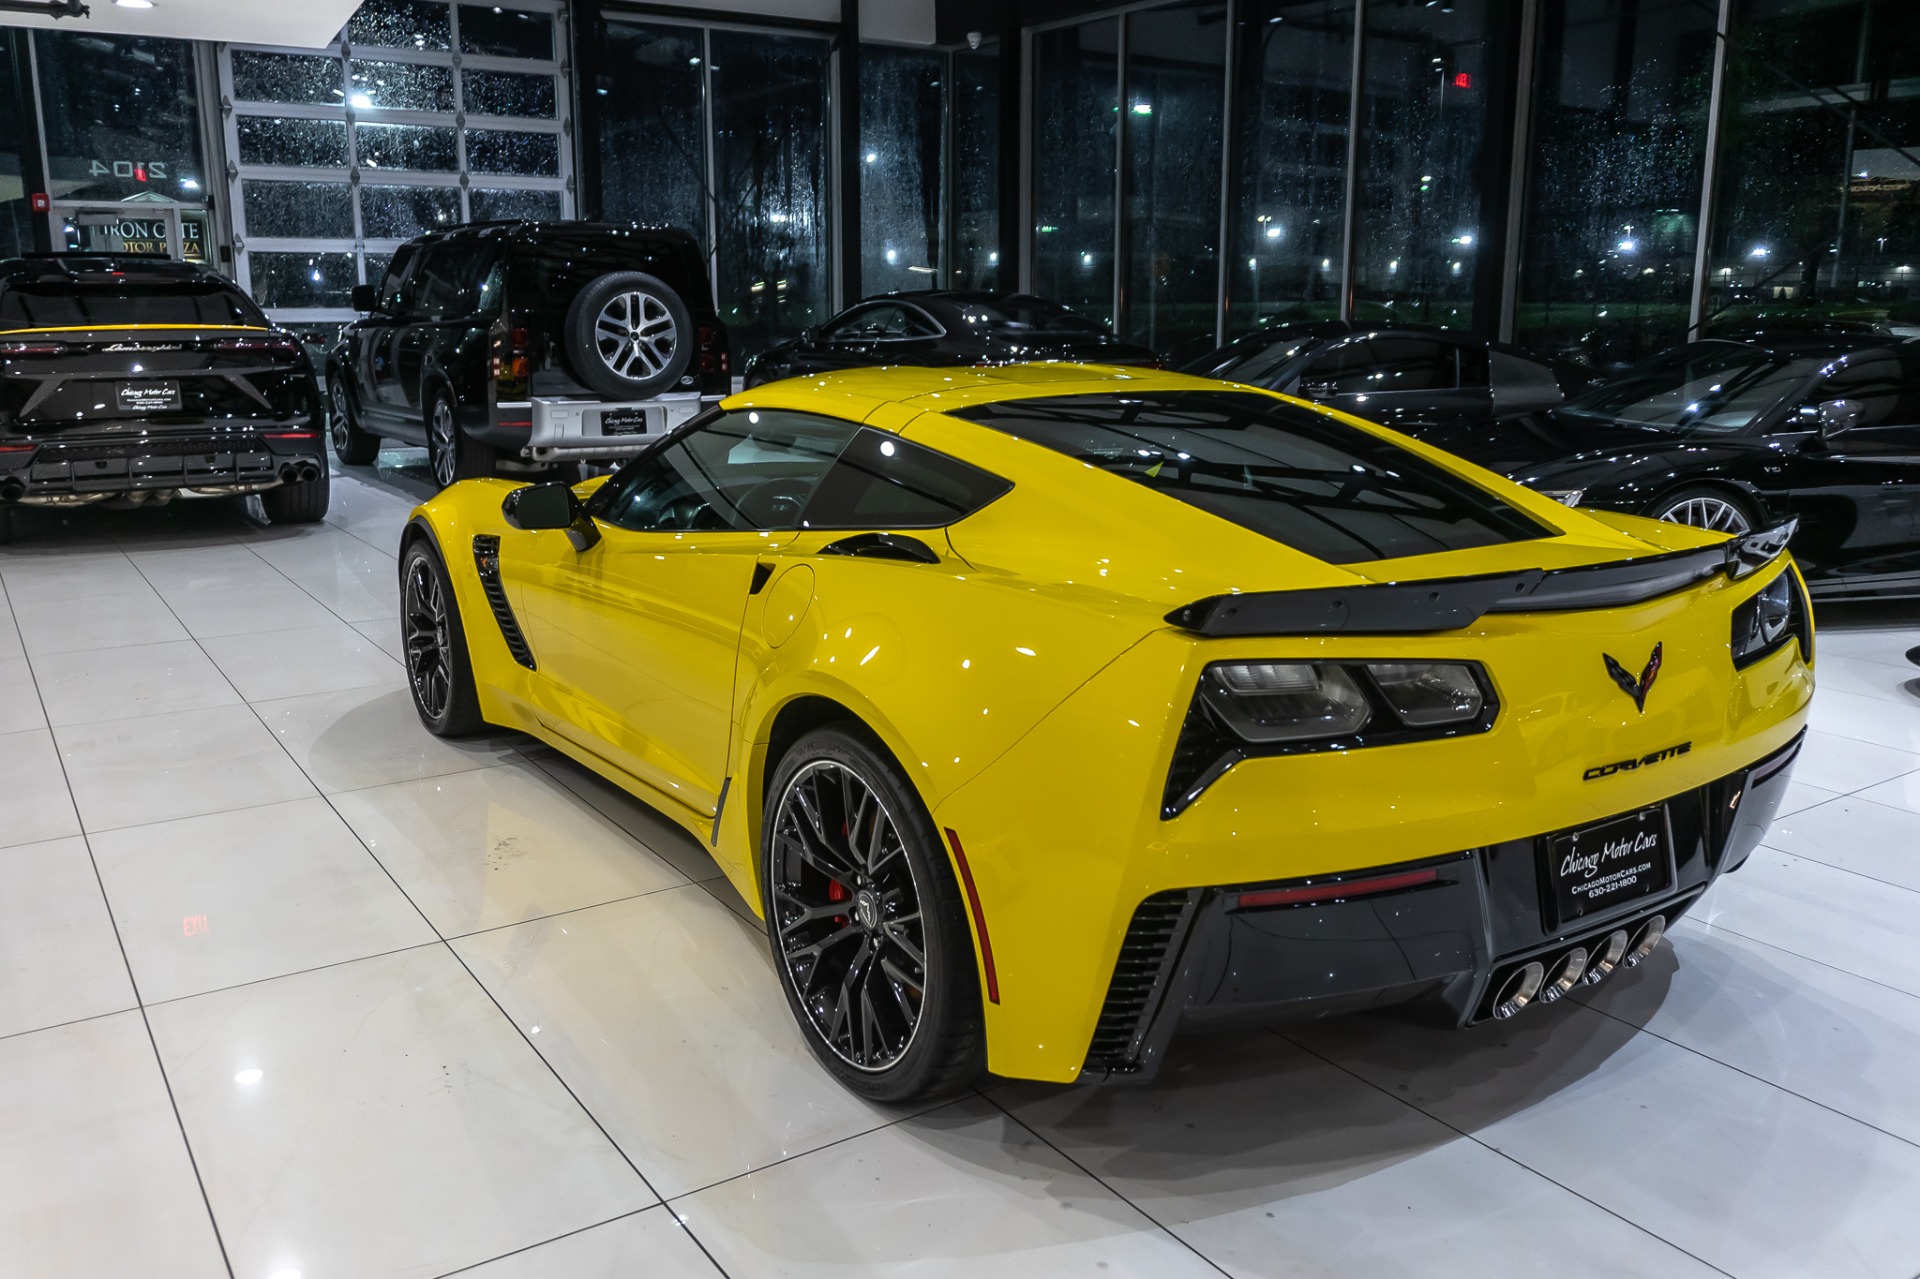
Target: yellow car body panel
(1032,690)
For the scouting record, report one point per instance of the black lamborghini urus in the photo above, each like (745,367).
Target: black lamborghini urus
(129,380)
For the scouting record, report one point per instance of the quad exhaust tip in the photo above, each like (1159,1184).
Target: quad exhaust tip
(1538,982)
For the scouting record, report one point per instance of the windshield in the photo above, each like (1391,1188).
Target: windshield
(1708,388)
(1336,492)
(70,305)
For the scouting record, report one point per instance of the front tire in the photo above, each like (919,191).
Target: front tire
(439,670)
(451,452)
(353,446)
(1713,509)
(867,927)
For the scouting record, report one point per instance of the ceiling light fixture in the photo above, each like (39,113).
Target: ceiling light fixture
(134,4)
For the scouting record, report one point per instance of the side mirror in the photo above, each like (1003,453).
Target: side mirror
(550,506)
(810,336)
(1837,416)
(366,298)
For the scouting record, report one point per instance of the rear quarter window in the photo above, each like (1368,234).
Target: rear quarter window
(1288,473)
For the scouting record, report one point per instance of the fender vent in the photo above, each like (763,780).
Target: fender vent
(486,562)
(1139,977)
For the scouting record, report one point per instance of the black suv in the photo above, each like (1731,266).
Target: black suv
(533,341)
(131,380)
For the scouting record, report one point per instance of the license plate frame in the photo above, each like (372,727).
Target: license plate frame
(148,397)
(643,419)
(1596,870)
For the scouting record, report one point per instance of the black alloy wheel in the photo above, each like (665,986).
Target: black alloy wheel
(452,454)
(439,673)
(353,446)
(866,923)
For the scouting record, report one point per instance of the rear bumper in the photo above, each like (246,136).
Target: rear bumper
(1192,958)
(566,427)
(72,467)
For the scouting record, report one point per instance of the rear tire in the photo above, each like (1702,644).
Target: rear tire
(887,993)
(1713,509)
(452,454)
(302,503)
(434,644)
(353,446)
(628,336)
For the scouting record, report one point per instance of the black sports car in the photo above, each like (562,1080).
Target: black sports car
(943,328)
(1738,435)
(1406,376)
(131,380)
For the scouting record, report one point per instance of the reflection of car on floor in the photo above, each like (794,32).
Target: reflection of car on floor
(129,380)
(935,328)
(1044,711)
(531,341)
(1734,436)
(1406,376)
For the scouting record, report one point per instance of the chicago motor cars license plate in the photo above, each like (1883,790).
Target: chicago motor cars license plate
(149,397)
(626,421)
(1597,867)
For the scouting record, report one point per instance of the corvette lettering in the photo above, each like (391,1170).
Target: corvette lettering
(1628,765)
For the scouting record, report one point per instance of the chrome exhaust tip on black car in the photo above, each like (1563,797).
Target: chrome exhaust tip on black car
(12,489)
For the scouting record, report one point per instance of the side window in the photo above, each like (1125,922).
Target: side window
(1345,370)
(747,470)
(393,289)
(856,325)
(884,482)
(1473,364)
(1413,364)
(918,324)
(447,280)
(1886,388)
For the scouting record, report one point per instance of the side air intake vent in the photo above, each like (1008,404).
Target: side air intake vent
(1139,977)
(486,562)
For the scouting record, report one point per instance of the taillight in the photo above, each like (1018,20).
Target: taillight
(706,335)
(33,348)
(520,340)
(709,362)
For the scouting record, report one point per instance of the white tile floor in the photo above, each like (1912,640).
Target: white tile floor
(288,986)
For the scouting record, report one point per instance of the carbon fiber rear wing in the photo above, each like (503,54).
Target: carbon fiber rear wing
(1449,603)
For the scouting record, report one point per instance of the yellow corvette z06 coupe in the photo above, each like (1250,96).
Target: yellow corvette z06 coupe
(1044,711)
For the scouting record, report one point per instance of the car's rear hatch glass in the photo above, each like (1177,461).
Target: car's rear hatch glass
(1291,474)
(66,304)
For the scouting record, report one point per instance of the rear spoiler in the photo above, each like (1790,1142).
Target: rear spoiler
(1449,603)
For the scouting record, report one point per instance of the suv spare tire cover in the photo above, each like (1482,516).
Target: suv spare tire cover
(628,336)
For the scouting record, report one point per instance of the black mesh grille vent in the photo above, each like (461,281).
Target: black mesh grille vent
(486,562)
(1137,976)
(1200,754)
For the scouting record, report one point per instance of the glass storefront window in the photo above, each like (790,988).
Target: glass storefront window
(1076,108)
(298,210)
(16,215)
(308,144)
(399,86)
(652,143)
(501,151)
(286,77)
(508,93)
(497,206)
(505,33)
(902,160)
(1423,123)
(974,256)
(282,280)
(405,146)
(402,212)
(770,154)
(1619,145)
(1817,216)
(1287,229)
(1176,79)
(401,24)
(121,117)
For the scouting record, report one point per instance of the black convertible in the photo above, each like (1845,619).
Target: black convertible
(946,327)
(1738,435)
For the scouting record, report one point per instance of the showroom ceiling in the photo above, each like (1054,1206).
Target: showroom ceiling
(306,24)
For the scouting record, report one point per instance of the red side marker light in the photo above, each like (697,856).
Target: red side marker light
(1311,893)
(979,917)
